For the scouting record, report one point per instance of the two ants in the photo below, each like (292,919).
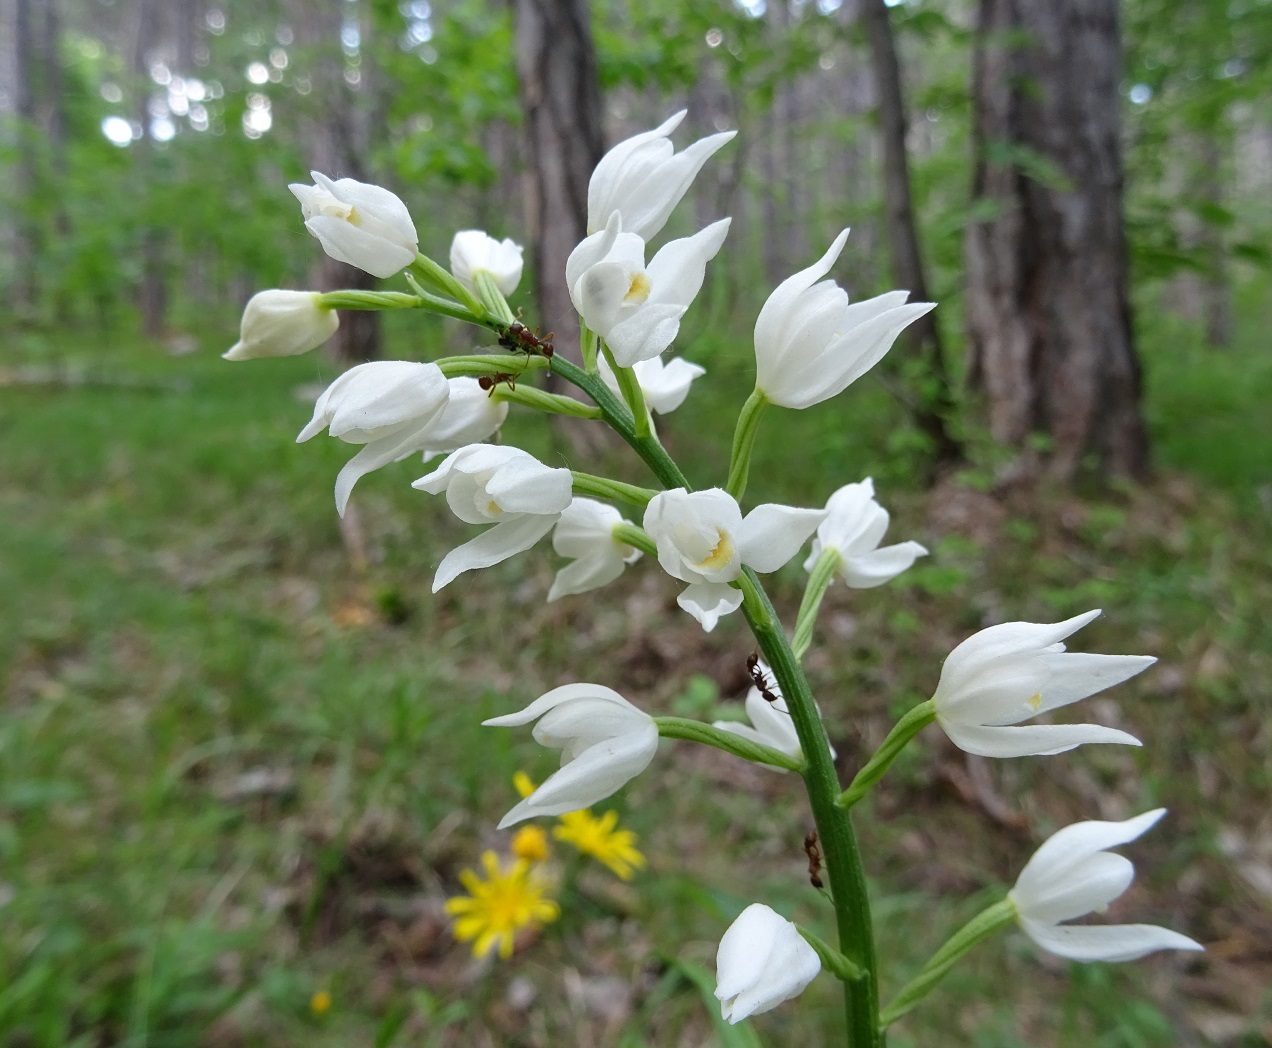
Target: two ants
(520,339)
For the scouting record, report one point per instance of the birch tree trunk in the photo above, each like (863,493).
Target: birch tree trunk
(1048,309)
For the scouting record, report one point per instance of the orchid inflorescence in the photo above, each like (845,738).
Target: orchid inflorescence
(810,344)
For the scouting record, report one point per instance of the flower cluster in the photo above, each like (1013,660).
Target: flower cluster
(810,343)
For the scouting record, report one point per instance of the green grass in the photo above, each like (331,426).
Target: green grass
(181,624)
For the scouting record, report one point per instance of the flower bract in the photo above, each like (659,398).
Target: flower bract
(361,224)
(473,251)
(634,308)
(854,526)
(503,486)
(810,344)
(282,324)
(762,961)
(603,839)
(585,533)
(1071,875)
(643,178)
(703,539)
(1008,673)
(604,740)
(497,907)
(387,406)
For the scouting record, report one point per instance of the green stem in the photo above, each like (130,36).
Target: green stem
(604,488)
(478,364)
(632,394)
(819,580)
(445,306)
(635,537)
(904,730)
(975,931)
(553,403)
(744,442)
(491,297)
(587,343)
(696,731)
(652,453)
(368,300)
(834,825)
(436,276)
(832,960)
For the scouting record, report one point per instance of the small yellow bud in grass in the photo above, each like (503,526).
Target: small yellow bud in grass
(320,1002)
(530,843)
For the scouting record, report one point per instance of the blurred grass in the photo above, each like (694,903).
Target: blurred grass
(236,769)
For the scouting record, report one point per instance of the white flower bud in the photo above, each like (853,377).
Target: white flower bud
(585,533)
(282,324)
(473,251)
(854,527)
(762,961)
(664,386)
(363,225)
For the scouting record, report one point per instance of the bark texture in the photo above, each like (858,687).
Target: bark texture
(561,103)
(934,405)
(1047,304)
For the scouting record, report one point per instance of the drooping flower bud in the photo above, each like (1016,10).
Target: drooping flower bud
(762,961)
(282,324)
(474,251)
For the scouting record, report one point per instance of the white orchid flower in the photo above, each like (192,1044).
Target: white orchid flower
(641,179)
(503,486)
(663,385)
(1008,673)
(604,740)
(703,539)
(635,309)
(363,225)
(810,344)
(771,723)
(387,406)
(762,961)
(474,251)
(585,533)
(1070,875)
(282,324)
(470,416)
(854,527)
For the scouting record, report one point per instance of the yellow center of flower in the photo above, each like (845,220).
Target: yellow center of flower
(721,553)
(1035,703)
(637,289)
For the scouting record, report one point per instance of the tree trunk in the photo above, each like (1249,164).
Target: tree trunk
(561,103)
(1048,309)
(933,407)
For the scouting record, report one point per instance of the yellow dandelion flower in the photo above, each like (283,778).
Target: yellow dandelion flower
(601,839)
(496,908)
(320,1002)
(523,783)
(530,843)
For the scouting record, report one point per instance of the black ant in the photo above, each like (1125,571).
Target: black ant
(490,382)
(520,338)
(813,852)
(759,678)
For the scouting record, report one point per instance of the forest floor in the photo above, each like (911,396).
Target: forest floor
(241,761)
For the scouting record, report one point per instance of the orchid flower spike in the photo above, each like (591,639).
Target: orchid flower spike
(664,386)
(1008,673)
(604,740)
(282,324)
(1072,874)
(771,723)
(637,310)
(703,539)
(854,527)
(387,406)
(762,961)
(473,251)
(363,225)
(470,416)
(810,344)
(503,486)
(641,179)
(585,533)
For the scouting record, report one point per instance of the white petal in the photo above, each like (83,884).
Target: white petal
(526,485)
(776,313)
(1068,847)
(1075,890)
(592,250)
(584,574)
(666,385)
(644,334)
(1115,942)
(1076,675)
(1030,740)
(1009,638)
(490,547)
(708,601)
(771,534)
(370,253)
(882,565)
(550,700)
(676,273)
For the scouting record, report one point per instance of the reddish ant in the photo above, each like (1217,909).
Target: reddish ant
(759,678)
(813,852)
(490,382)
(518,337)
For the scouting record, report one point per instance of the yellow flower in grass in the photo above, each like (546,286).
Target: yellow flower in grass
(530,843)
(320,1002)
(601,839)
(496,908)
